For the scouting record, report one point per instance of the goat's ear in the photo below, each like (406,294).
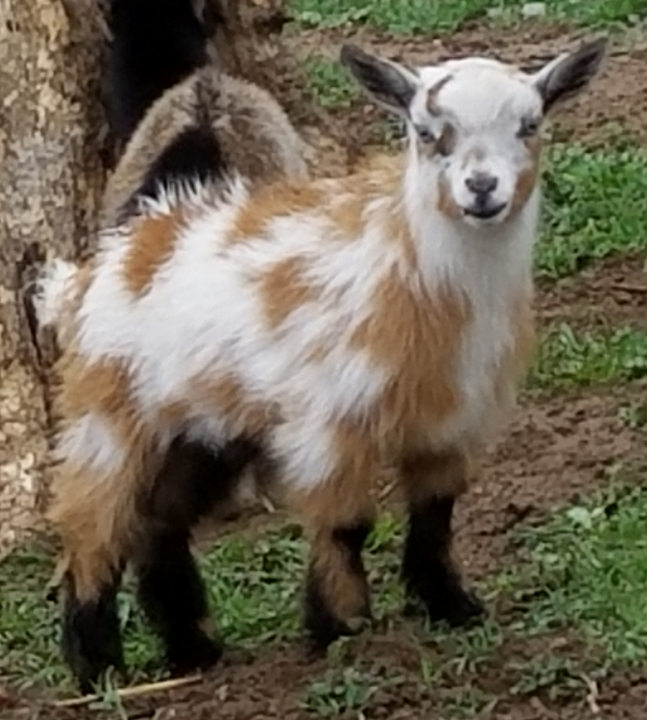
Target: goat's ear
(565,76)
(390,84)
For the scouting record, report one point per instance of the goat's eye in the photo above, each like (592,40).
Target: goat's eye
(529,127)
(425,134)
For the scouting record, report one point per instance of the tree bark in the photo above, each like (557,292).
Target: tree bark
(52,142)
(54,149)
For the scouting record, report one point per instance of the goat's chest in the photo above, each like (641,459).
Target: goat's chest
(463,381)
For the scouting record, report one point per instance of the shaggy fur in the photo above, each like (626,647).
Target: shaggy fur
(337,326)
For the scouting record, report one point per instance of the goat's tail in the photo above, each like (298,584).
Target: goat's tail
(54,285)
(156,44)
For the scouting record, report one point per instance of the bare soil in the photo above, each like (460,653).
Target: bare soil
(555,450)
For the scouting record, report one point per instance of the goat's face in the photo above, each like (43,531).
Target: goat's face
(475,123)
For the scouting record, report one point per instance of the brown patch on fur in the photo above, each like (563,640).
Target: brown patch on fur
(348,217)
(432,95)
(447,141)
(150,246)
(446,204)
(92,508)
(343,500)
(345,591)
(427,474)
(283,289)
(416,338)
(227,397)
(527,179)
(269,202)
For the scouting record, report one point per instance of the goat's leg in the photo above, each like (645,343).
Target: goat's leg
(337,593)
(191,483)
(429,569)
(91,641)
(173,596)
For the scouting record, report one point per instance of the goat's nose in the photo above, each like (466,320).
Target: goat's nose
(482,184)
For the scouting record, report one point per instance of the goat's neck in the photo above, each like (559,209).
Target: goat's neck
(492,260)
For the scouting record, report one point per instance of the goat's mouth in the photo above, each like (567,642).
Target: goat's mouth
(488,212)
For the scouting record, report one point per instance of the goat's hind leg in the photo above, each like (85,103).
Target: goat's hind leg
(193,480)
(94,528)
(429,569)
(91,641)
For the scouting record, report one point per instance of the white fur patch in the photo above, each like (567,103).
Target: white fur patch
(90,442)
(54,284)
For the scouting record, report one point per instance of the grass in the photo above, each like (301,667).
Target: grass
(582,572)
(583,193)
(569,359)
(586,569)
(414,16)
(329,83)
(338,691)
(254,588)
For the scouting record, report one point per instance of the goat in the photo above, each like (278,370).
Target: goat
(321,330)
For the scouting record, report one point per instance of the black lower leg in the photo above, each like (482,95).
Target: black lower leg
(173,596)
(428,568)
(336,588)
(91,642)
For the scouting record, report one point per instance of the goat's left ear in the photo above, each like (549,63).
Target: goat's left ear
(391,85)
(565,76)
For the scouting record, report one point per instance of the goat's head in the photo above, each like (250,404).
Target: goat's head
(474,123)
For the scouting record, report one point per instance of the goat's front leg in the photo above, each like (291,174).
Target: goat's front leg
(338,515)
(337,594)
(431,573)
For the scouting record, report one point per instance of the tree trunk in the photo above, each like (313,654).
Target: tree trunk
(51,174)
(54,148)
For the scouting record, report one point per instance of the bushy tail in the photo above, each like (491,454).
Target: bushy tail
(55,283)
(156,44)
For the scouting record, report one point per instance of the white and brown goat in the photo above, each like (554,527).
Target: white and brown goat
(323,330)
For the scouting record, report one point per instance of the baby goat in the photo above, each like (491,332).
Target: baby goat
(323,330)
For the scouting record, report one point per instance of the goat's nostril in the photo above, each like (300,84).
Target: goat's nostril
(482,184)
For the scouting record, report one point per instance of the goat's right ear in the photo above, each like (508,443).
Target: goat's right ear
(390,84)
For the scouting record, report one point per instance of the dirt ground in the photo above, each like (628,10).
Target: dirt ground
(555,449)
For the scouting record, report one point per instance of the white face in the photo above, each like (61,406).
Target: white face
(475,122)
(480,121)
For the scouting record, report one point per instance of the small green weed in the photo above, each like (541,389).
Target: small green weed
(569,359)
(340,690)
(554,674)
(586,571)
(634,415)
(594,205)
(329,84)
(412,16)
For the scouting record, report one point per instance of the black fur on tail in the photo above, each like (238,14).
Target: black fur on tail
(156,44)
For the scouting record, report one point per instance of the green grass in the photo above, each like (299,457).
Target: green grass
(254,588)
(338,691)
(583,572)
(412,16)
(595,205)
(586,570)
(329,84)
(569,359)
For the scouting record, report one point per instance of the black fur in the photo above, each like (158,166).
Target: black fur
(173,597)
(192,482)
(91,642)
(193,155)
(156,43)
(320,622)
(428,569)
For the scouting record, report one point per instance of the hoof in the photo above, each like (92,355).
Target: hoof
(458,607)
(199,653)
